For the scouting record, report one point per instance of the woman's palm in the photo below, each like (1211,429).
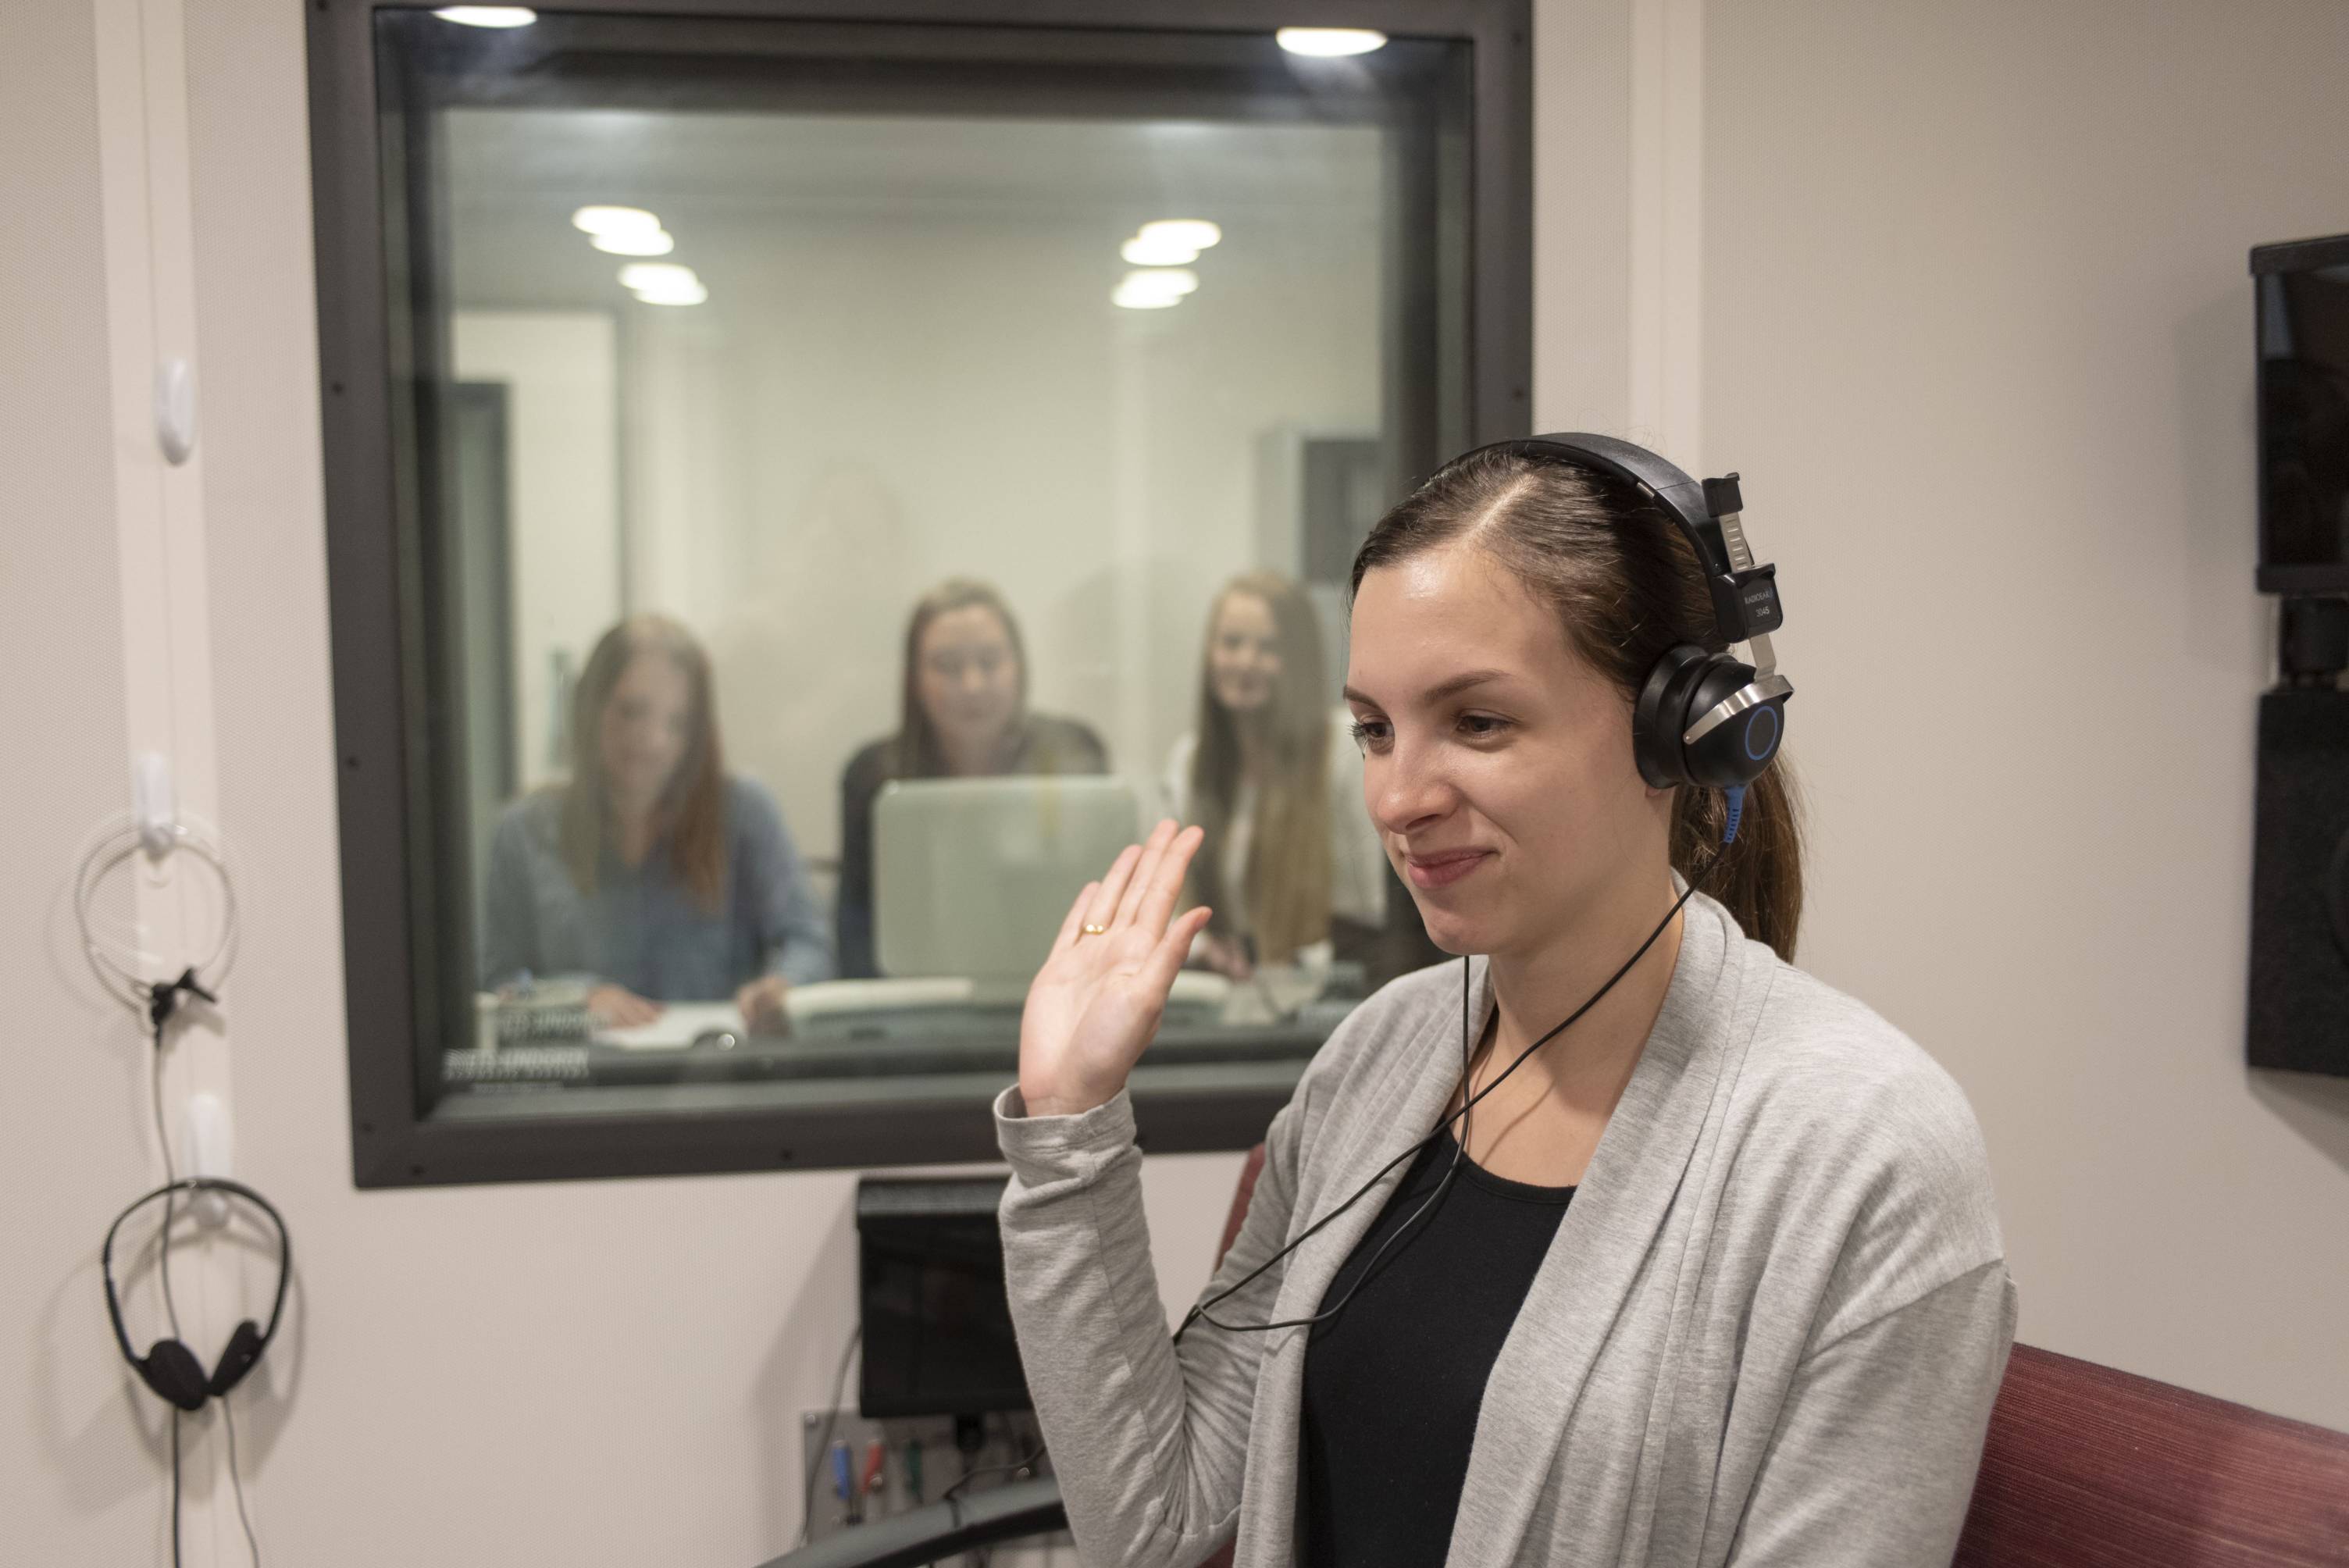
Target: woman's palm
(1096,1003)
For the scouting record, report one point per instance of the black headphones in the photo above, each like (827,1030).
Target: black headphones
(171,1369)
(1702,719)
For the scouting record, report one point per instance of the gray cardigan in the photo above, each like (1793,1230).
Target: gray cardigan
(1769,1330)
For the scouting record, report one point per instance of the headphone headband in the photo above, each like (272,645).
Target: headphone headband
(1744,595)
(1703,717)
(198,1184)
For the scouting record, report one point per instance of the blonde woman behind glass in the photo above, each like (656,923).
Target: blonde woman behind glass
(1273,776)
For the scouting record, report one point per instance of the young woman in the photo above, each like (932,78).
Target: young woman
(1270,776)
(1716,1278)
(964,715)
(650,872)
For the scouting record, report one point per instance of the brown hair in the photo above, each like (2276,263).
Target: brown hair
(692,809)
(1287,879)
(1626,585)
(916,752)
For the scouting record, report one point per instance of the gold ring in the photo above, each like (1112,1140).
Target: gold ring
(1091,930)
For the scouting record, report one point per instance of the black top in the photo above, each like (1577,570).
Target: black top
(1040,744)
(1392,1384)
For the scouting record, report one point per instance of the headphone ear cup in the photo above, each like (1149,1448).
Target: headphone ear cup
(243,1353)
(172,1370)
(1734,753)
(1656,718)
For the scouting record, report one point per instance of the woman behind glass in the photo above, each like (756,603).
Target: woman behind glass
(964,716)
(1273,776)
(650,874)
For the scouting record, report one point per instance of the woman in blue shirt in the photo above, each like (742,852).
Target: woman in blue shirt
(650,874)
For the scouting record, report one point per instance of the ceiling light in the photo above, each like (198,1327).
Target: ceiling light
(1155,288)
(1327,43)
(1157,251)
(1196,233)
(636,242)
(488,15)
(614,221)
(687,293)
(1175,281)
(1130,300)
(642,275)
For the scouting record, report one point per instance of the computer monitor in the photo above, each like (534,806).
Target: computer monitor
(973,876)
(2303,402)
(937,1318)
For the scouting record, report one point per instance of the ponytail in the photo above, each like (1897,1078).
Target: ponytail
(1759,878)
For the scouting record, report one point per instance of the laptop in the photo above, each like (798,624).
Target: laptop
(972,877)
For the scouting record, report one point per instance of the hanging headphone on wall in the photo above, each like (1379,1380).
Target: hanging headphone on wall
(1704,719)
(171,1369)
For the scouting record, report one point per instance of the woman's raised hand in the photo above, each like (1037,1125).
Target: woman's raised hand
(1096,1003)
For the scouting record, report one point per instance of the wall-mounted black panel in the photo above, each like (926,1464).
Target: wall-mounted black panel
(2299,884)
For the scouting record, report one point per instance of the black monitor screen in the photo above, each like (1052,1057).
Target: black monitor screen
(937,1323)
(2303,381)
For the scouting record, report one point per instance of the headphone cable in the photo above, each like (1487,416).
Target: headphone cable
(171,1179)
(236,1477)
(1199,1313)
(175,1487)
(163,1005)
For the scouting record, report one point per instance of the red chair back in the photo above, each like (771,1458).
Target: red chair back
(2091,1466)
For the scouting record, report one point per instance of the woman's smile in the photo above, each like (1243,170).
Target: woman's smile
(1442,867)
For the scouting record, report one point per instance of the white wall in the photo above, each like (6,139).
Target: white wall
(2002,244)
(77,1457)
(1973,319)
(1977,328)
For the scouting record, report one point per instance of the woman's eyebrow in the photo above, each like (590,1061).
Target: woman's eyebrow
(1440,689)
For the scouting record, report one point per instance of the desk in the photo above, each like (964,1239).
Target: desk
(892,1030)
(945,1047)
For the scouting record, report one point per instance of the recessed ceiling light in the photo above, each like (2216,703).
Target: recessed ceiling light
(1155,287)
(614,221)
(1325,43)
(641,275)
(692,293)
(1175,281)
(488,15)
(636,242)
(1196,233)
(1130,300)
(1157,251)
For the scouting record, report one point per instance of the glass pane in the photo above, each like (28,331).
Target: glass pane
(860,478)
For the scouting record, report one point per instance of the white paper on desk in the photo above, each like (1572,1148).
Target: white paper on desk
(675,1030)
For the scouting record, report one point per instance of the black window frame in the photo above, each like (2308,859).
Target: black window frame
(379,682)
